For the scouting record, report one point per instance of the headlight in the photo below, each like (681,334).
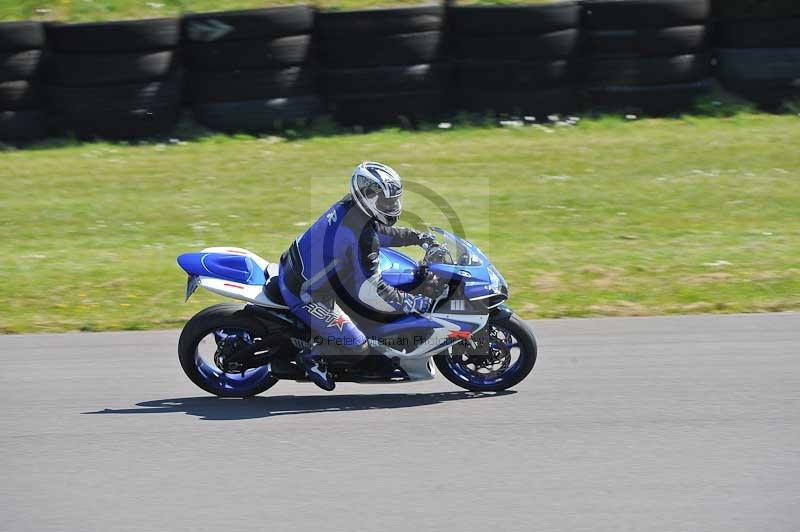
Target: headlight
(494,280)
(497,282)
(499,287)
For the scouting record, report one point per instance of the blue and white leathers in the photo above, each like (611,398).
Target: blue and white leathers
(337,259)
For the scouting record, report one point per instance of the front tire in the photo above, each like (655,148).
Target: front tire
(227,318)
(467,369)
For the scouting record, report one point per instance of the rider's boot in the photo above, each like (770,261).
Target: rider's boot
(309,359)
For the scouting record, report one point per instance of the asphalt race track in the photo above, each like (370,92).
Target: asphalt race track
(642,424)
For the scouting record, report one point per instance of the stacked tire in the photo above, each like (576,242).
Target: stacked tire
(251,71)
(516,59)
(383,66)
(758,52)
(649,56)
(22,115)
(116,80)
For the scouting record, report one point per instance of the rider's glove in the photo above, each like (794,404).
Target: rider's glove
(416,303)
(426,239)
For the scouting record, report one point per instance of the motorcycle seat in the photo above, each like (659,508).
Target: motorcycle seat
(237,268)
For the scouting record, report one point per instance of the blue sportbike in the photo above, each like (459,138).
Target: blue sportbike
(470,336)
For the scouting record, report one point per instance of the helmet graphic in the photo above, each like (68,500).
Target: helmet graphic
(378,191)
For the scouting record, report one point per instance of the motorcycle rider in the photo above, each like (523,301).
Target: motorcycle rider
(336,260)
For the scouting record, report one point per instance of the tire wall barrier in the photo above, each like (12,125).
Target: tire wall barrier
(383,66)
(267,69)
(251,70)
(758,49)
(516,59)
(22,106)
(647,56)
(114,80)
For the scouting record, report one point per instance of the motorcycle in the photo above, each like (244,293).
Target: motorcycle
(469,335)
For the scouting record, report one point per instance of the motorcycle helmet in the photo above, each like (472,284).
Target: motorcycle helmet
(378,191)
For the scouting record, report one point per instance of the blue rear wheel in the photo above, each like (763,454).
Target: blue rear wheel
(211,336)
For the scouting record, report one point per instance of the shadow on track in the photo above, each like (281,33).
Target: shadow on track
(217,409)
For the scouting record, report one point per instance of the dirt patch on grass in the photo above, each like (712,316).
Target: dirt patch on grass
(711,277)
(547,282)
(620,308)
(603,276)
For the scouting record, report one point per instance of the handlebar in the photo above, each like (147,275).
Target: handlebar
(431,250)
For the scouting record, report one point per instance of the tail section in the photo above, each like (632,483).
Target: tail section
(231,272)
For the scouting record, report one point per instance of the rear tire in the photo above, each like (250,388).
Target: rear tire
(225,315)
(527,358)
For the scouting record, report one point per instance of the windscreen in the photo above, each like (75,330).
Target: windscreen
(459,251)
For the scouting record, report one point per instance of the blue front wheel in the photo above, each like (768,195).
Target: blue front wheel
(498,357)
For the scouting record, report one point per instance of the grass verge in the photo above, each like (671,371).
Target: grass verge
(608,217)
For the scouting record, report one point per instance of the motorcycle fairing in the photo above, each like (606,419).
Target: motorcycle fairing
(231,272)
(397,269)
(447,329)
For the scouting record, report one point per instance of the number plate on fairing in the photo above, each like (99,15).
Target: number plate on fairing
(457,304)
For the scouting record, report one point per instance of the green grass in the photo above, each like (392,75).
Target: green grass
(610,217)
(91,10)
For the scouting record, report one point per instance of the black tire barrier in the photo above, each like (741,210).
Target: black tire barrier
(21,94)
(99,69)
(383,66)
(732,9)
(398,108)
(537,103)
(384,50)
(251,71)
(111,37)
(755,70)
(22,126)
(759,33)
(208,87)
(114,80)
(616,14)
(255,70)
(226,56)
(516,59)
(155,94)
(406,78)
(253,24)
(376,22)
(20,65)
(529,19)
(23,35)
(647,41)
(638,51)
(759,64)
(653,99)
(516,74)
(552,45)
(22,117)
(629,71)
(124,124)
(257,115)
